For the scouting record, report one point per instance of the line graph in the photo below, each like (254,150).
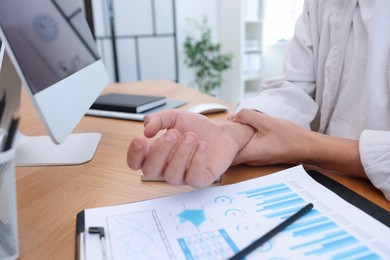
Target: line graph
(138,235)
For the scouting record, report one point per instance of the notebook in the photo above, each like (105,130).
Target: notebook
(127,102)
(169,104)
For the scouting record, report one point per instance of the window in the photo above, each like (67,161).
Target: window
(279,19)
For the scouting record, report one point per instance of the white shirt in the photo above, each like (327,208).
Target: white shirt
(336,79)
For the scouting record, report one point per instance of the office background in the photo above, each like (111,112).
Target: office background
(143,39)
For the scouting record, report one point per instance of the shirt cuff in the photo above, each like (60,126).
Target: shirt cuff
(374,148)
(274,107)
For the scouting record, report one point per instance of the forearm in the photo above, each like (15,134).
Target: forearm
(332,153)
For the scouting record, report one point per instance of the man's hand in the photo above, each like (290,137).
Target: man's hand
(194,150)
(275,141)
(281,141)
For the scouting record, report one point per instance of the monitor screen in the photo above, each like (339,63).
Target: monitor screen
(54,53)
(56,33)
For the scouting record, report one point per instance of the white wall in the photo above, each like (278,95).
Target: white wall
(279,19)
(193,9)
(279,23)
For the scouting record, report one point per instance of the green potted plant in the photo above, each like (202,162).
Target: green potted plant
(205,56)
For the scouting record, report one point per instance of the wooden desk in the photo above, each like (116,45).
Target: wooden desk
(49,198)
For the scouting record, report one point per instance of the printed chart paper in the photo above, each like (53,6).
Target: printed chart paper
(215,223)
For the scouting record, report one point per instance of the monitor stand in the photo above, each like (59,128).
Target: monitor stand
(38,150)
(41,150)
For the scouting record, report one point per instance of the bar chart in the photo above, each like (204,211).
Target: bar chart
(218,222)
(315,235)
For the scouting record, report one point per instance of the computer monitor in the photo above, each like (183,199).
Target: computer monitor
(54,55)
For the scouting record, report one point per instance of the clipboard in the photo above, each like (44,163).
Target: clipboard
(345,193)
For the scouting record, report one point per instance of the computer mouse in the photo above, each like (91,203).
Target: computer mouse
(207,108)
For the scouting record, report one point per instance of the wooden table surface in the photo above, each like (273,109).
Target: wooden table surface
(50,197)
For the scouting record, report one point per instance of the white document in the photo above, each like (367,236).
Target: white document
(217,222)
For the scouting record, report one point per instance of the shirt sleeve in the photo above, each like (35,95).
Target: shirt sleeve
(290,96)
(374,148)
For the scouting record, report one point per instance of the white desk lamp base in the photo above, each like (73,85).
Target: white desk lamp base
(40,150)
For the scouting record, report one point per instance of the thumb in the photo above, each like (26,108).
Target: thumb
(155,122)
(250,117)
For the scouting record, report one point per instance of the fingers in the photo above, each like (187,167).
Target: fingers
(179,159)
(155,162)
(251,117)
(198,175)
(177,166)
(136,153)
(185,162)
(158,121)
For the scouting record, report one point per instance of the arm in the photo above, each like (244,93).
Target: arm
(193,150)
(337,154)
(281,141)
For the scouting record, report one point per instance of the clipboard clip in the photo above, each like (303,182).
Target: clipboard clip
(102,237)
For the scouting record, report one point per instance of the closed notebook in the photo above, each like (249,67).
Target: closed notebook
(127,102)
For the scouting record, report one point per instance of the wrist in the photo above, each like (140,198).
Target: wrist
(240,133)
(310,148)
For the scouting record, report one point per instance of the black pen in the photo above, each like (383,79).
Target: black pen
(271,233)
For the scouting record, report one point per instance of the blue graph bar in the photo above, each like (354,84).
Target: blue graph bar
(312,213)
(331,246)
(371,256)
(333,235)
(263,189)
(281,213)
(316,229)
(352,252)
(285,204)
(271,193)
(280,198)
(307,223)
